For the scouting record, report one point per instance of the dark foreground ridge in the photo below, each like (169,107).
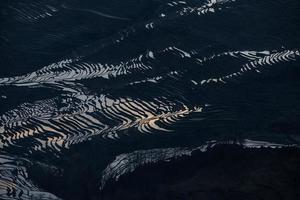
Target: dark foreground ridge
(225,172)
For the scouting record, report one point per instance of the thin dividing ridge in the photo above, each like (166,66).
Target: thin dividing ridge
(95,12)
(246,55)
(173,75)
(57,128)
